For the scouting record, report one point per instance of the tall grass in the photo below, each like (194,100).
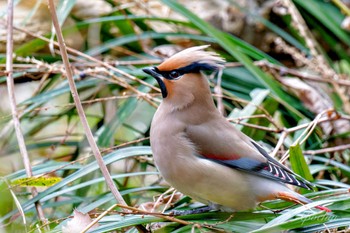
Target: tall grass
(304,107)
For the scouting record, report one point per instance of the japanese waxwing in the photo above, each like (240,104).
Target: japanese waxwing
(200,153)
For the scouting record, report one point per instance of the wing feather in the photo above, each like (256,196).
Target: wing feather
(217,140)
(270,169)
(285,173)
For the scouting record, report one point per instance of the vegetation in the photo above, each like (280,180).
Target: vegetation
(292,97)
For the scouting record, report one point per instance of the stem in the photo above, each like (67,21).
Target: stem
(14,112)
(327,150)
(80,110)
(79,106)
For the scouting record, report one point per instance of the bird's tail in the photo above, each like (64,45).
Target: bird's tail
(297,198)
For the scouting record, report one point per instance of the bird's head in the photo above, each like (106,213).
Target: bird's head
(181,75)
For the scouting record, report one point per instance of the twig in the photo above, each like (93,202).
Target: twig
(294,72)
(171,218)
(267,114)
(286,132)
(237,120)
(160,199)
(169,201)
(321,120)
(104,64)
(80,109)
(86,102)
(12,99)
(327,150)
(298,74)
(167,217)
(98,218)
(313,125)
(94,64)
(307,132)
(120,82)
(124,144)
(255,126)
(279,144)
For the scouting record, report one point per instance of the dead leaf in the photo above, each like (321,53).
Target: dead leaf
(316,100)
(78,223)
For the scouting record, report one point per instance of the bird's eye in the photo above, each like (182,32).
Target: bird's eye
(174,74)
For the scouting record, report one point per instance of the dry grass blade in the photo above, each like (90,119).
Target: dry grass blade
(307,132)
(13,104)
(80,110)
(79,106)
(328,150)
(104,64)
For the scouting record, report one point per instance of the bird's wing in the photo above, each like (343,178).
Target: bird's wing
(268,170)
(224,144)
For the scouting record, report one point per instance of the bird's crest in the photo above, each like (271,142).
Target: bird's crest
(193,55)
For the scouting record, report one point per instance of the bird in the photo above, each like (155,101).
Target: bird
(200,153)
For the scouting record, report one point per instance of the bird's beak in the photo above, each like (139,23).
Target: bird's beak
(152,71)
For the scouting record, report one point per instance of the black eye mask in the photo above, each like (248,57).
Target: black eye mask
(195,67)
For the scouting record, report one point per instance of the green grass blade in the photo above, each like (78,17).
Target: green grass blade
(110,158)
(327,14)
(286,221)
(93,182)
(298,162)
(316,218)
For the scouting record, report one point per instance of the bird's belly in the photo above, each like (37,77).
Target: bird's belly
(208,182)
(203,179)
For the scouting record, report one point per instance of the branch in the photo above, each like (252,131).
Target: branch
(104,64)
(81,113)
(327,150)
(12,99)
(299,74)
(79,106)
(173,219)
